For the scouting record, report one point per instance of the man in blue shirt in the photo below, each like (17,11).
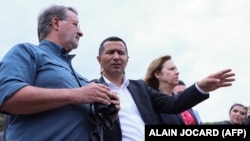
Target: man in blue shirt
(44,97)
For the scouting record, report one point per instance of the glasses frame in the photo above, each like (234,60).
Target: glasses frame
(76,23)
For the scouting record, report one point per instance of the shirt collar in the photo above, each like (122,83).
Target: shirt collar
(110,84)
(54,47)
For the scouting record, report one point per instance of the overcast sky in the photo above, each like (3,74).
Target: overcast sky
(202,36)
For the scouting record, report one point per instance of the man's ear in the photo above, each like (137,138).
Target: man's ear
(55,23)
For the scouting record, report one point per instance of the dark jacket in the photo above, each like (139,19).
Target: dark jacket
(149,101)
(176,119)
(247,122)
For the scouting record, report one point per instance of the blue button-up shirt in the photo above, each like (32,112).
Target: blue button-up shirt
(49,66)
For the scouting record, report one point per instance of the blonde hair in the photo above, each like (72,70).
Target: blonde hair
(154,67)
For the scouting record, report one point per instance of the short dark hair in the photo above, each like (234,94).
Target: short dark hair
(112,38)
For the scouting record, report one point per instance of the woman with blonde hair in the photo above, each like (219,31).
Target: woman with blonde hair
(162,75)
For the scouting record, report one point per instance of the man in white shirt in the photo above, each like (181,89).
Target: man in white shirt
(138,101)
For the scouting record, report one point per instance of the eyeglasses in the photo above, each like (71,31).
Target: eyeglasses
(76,23)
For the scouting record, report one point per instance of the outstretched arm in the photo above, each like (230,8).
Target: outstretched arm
(223,78)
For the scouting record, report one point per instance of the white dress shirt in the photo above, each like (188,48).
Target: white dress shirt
(132,125)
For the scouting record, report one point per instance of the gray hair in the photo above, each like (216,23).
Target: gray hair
(46,16)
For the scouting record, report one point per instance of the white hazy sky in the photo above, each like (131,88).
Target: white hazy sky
(201,36)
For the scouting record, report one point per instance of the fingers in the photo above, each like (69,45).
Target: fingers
(100,85)
(117,104)
(97,92)
(225,82)
(223,78)
(225,71)
(113,96)
(115,99)
(103,94)
(228,75)
(226,78)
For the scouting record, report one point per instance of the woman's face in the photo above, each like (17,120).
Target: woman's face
(237,115)
(168,74)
